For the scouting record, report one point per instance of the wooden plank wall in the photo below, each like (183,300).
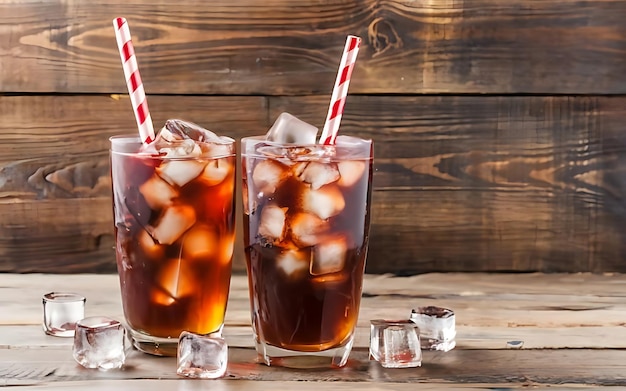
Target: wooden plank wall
(498,125)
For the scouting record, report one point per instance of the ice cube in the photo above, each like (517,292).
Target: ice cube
(268,174)
(318,174)
(176,129)
(150,248)
(272,225)
(294,262)
(61,311)
(202,356)
(173,223)
(437,327)
(288,129)
(306,229)
(216,171)
(200,242)
(226,249)
(329,256)
(395,344)
(350,172)
(157,192)
(176,278)
(225,147)
(180,172)
(99,342)
(325,202)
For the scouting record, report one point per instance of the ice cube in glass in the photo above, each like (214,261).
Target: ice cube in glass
(100,342)
(288,129)
(61,311)
(202,356)
(395,343)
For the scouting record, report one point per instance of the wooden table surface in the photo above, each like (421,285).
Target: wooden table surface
(573,327)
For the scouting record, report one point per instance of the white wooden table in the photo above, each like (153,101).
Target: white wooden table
(573,327)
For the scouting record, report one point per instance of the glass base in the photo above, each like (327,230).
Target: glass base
(154,345)
(331,358)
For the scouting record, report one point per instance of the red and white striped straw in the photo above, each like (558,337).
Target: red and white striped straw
(133,80)
(340,91)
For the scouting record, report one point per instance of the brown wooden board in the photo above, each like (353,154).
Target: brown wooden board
(571,326)
(276,48)
(461,184)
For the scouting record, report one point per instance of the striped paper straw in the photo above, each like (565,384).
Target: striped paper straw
(340,91)
(133,80)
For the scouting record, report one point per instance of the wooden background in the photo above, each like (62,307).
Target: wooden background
(498,125)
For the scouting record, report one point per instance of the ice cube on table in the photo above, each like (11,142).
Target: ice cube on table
(437,327)
(100,342)
(61,311)
(272,224)
(176,278)
(267,175)
(329,256)
(395,344)
(202,356)
(306,229)
(318,174)
(294,263)
(350,171)
(200,242)
(325,202)
(174,221)
(288,129)
(157,192)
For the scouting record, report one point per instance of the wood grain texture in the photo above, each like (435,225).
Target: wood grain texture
(276,48)
(461,184)
(585,308)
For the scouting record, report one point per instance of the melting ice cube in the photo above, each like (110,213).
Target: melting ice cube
(99,342)
(149,247)
(173,223)
(272,225)
(288,129)
(268,174)
(350,172)
(157,192)
(176,129)
(324,202)
(202,356)
(200,242)
(306,229)
(294,262)
(318,174)
(216,171)
(176,278)
(329,256)
(180,172)
(437,327)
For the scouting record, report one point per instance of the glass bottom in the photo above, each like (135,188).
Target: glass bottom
(330,358)
(154,345)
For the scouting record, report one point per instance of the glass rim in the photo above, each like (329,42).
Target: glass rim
(130,139)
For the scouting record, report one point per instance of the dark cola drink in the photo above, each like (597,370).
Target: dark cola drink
(174,226)
(306,223)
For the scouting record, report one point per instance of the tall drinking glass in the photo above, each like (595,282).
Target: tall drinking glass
(174,227)
(306,228)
